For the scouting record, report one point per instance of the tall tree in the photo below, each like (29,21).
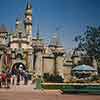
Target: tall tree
(89,41)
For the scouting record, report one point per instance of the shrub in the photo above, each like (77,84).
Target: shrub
(46,77)
(94,78)
(52,78)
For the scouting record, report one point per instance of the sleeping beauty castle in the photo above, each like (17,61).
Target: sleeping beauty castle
(20,48)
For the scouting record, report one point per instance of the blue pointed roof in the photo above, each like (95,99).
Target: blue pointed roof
(83,68)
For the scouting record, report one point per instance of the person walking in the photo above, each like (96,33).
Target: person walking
(8,78)
(18,78)
(13,79)
(0,81)
(25,78)
(3,78)
(38,82)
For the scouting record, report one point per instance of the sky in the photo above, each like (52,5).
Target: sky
(70,16)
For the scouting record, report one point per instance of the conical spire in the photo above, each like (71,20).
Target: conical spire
(18,18)
(75,53)
(29,4)
(55,41)
(37,34)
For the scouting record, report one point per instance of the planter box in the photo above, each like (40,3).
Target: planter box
(74,88)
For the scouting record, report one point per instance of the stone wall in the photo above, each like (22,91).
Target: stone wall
(48,63)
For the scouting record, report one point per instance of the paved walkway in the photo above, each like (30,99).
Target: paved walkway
(28,88)
(23,92)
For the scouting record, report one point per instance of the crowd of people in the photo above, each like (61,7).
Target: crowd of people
(13,77)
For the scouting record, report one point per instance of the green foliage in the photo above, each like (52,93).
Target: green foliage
(3,68)
(95,77)
(52,78)
(46,77)
(89,41)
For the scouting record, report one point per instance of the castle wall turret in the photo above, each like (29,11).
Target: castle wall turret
(28,19)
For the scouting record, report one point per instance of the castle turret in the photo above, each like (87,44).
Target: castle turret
(57,51)
(28,19)
(17,23)
(76,57)
(37,34)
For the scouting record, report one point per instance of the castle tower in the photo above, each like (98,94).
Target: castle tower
(75,57)
(57,51)
(28,19)
(17,23)
(37,34)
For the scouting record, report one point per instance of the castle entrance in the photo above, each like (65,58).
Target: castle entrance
(18,67)
(19,71)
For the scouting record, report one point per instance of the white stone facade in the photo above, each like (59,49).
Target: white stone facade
(32,52)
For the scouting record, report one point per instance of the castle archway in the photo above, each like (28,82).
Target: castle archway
(17,67)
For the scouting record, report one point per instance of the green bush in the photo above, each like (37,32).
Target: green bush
(46,77)
(53,78)
(94,78)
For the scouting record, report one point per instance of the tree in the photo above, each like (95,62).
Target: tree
(89,41)
(3,68)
